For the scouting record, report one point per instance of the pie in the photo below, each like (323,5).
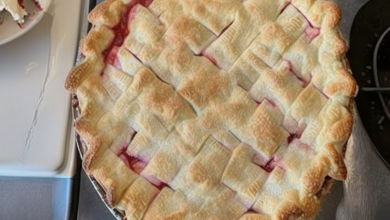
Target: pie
(214,109)
(16,8)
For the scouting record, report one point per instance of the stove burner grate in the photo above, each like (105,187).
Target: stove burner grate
(370,36)
(381,57)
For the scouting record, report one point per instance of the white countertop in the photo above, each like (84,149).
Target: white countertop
(34,109)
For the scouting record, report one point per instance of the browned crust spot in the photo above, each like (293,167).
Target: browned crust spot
(344,84)
(334,159)
(289,211)
(342,129)
(325,13)
(254,216)
(312,179)
(90,65)
(90,157)
(107,12)
(311,206)
(98,39)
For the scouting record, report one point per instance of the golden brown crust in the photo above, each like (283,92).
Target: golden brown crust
(254,216)
(254,116)
(90,65)
(325,13)
(288,211)
(136,199)
(97,40)
(110,177)
(109,13)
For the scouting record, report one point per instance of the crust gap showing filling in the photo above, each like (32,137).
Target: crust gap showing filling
(218,109)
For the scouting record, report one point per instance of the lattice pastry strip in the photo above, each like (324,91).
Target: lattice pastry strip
(273,83)
(210,207)
(167,159)
(109,176)
(292,22)
(212,108)
(221,114)
(235,40)
(207,13)
(263,131)
(192,133)
(166,10)
(227,139)
(246,69)
(215,86)
(243,176)
(175,71)
(169,204)
(201,176)
(303,112)
(137,198)
(145,29)
(107,13)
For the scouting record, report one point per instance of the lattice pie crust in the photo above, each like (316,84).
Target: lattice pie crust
(214,109)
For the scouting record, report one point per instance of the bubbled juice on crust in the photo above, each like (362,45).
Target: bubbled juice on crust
(270,165)
(292,137)
(132,162)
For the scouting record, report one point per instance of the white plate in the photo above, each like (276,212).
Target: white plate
(10,30)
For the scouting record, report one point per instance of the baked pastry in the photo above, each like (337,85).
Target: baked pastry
(214,109)
(16,8)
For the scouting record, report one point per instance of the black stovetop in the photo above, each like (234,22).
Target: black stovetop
(370,23)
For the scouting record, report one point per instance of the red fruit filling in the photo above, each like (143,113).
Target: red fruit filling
(21,3)
(311,32)
(75,101)
(270,165)
(162,185)
(112,58)
(223,31)
(250,211)
(284,8)
(38,5)
(154,180)
(121,30)
(133,135)
(291,69)
(271,103)
(133,163)
(210,58)
(319,90)
(292,137)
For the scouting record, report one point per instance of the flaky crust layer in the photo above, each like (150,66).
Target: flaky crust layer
(214,109)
